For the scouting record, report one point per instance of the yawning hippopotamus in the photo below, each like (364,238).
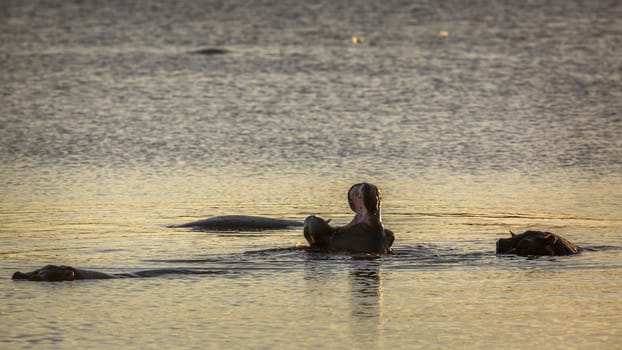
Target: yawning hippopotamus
(536,243)
(364,234)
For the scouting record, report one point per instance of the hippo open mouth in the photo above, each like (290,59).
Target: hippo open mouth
(364,234)
(365,201)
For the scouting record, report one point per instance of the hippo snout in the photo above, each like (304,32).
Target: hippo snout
(50,273)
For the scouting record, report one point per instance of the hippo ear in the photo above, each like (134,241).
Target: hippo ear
(329,220)
(512,233)
(550,238)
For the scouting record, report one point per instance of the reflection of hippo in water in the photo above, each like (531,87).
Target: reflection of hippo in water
(536,243)
(241,223)
(364,234)
(56,273)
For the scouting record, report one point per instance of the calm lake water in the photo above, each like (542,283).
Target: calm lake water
(111,128)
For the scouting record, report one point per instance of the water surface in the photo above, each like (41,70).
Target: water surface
(111,128)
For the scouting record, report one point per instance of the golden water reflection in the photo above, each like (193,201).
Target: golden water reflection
(452,288)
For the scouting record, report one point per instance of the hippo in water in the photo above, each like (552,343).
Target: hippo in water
(364,234)
(536,243)
(57,273)
(240,223)
(54,273)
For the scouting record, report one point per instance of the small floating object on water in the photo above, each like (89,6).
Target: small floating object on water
(210,51)
(443,34)
(357,40)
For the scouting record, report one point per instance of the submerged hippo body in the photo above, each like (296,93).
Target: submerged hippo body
(364,234)
(52,273)
(536,243)
(57,273)
(241,223)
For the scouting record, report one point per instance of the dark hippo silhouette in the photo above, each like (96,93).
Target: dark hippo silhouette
(56,273)
(536,243)
(59,273)
(364,234)
(241,223)
(360,239)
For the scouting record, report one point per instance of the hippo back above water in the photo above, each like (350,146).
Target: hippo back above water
(59,273)
(358,239)
(240,223)
(536,243)
(56,273)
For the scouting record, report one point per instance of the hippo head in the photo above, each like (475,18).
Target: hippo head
(537,245)
(317,231)
(507,245)
(365,197)
(528,243)
(50,273)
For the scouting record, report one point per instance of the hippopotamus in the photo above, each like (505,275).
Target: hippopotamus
(53,273)
(57,273)
(536,243)
(364,234)
(241,223)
